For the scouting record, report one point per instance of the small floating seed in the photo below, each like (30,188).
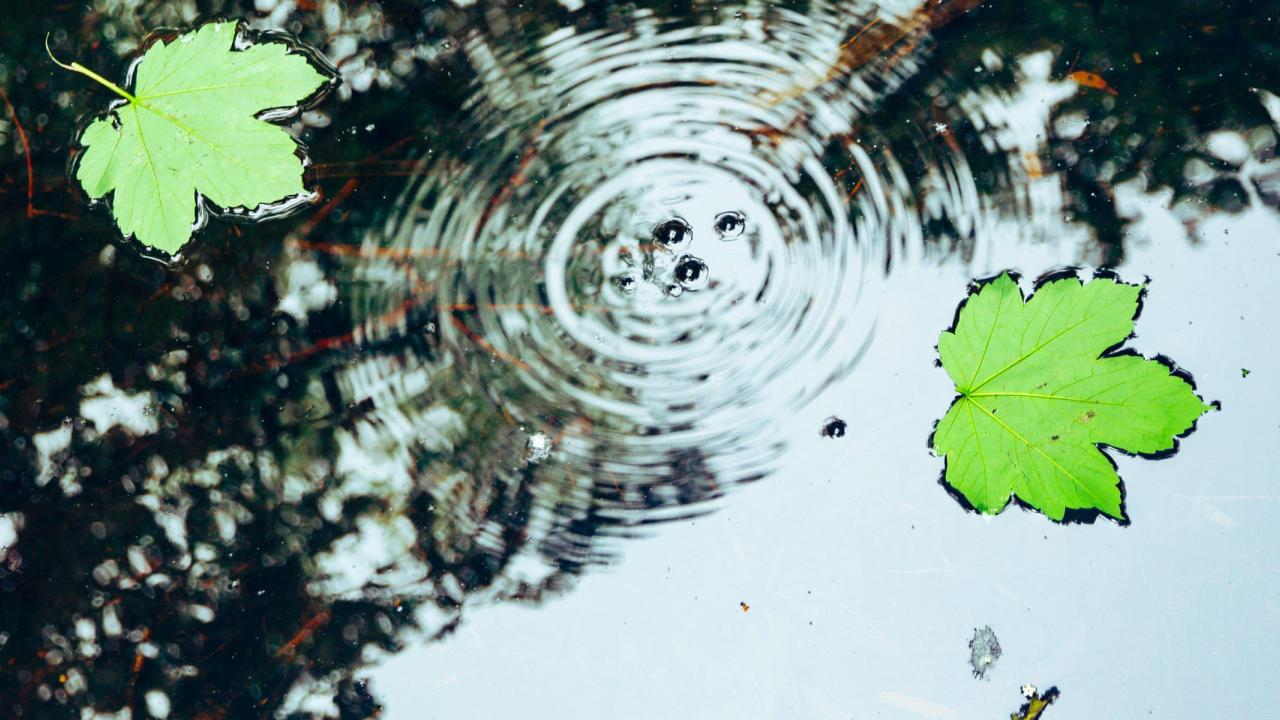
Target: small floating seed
(834,427)
(672,234)
(691,272)
(730,225)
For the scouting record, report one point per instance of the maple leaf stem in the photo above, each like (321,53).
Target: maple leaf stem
(78,68)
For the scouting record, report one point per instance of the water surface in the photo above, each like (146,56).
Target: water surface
(526,414)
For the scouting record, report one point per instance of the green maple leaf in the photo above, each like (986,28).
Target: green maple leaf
(191,131)
(1039,392)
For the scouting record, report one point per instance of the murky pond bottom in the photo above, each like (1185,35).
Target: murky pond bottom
(601,376)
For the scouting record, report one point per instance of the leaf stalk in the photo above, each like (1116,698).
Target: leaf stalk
(78,68)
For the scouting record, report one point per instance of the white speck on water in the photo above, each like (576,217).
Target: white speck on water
(539,447)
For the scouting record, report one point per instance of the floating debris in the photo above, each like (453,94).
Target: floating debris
(834,427)
(745,607)
(1244,372)
(984,651)
(1036,703)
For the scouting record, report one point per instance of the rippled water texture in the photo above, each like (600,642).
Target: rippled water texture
(652,242)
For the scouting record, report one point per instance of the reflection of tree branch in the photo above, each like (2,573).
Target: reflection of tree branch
(1167,96)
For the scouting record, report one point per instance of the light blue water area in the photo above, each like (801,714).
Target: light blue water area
(865,580)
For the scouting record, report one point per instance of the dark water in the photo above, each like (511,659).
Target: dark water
(477,433)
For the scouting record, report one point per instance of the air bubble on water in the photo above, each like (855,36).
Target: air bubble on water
(539,447)
(730,225)
(673,234)
(626,284)
(834,427)
(691,273)
(674,290)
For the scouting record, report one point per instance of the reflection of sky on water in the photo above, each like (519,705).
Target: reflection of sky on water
(1176,615)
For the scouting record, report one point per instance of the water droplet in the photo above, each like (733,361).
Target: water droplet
(673,234)
(626,284)
(691,273)
(834,427)
(730,224)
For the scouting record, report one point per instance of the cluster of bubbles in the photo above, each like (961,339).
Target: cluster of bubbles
(663,262)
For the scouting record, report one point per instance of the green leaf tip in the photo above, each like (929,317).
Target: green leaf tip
(189,136)
(1042,385)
